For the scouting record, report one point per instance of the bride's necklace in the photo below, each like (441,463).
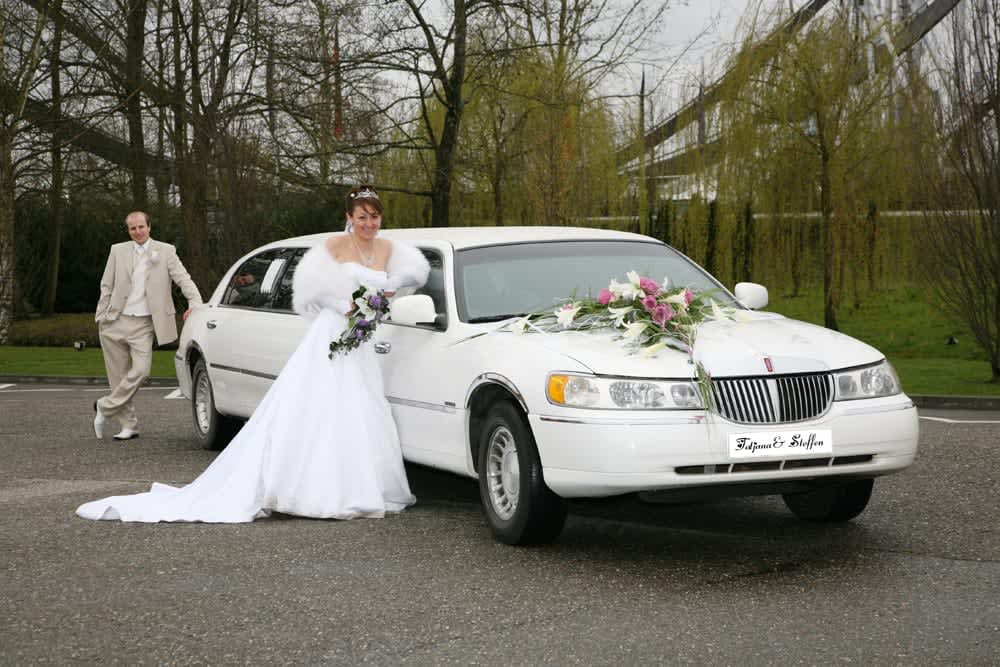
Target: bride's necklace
(367,260)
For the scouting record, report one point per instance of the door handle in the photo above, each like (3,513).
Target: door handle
(382,347)
(210,324)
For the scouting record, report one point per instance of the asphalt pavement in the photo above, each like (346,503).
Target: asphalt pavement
(914,580)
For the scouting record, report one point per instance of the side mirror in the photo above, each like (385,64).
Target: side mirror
(413,309)
(751,295)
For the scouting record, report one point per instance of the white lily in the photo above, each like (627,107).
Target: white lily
(652,350)
(621,290)
(678,301)
(717,313)
(741,315)
(634,330)
(519,325)
(364,308)
(565,315)
(619,314)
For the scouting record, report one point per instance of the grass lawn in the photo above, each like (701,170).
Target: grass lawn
(912,334)
(65,361)
(901,322)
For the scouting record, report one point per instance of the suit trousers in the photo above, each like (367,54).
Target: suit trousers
(127,343)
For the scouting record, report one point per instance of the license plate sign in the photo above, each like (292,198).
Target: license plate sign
(780,444)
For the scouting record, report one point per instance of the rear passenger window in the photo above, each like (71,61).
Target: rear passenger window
(283,290)
(253,284)
(434,287)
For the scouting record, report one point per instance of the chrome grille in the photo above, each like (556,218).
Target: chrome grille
(772,400)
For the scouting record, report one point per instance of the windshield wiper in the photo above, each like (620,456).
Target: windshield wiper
(494,318)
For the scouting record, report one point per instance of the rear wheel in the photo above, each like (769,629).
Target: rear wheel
(840,502)
(214,430)
(518,506)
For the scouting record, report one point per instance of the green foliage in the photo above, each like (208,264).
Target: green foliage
(805,132)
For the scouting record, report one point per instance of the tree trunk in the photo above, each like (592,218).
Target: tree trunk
(55,191)
(194,181)
(444,153)
(712,232)
(829,247)
(135,42)
(7,256)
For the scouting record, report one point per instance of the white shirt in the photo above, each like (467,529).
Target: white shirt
(136,303)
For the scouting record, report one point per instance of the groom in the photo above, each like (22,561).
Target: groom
(135,305)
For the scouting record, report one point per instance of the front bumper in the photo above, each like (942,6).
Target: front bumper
(590,453)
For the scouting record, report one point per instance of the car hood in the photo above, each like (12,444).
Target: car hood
(725,348)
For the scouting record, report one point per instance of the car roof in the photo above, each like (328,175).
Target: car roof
(472,237)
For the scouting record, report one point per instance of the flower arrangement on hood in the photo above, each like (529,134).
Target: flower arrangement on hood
(370,306)
(651,316)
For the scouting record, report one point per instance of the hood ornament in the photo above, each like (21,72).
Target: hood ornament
(768,365)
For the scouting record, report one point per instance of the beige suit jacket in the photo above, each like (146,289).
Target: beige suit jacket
(164,267)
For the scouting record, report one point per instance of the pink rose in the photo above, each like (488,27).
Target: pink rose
(604,297)
(688,296)
(649,303)
(662,314)
(648,286)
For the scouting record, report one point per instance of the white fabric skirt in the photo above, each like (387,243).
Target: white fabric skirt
(322,443)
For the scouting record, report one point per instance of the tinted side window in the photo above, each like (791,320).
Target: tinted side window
(283,290)
(253,283)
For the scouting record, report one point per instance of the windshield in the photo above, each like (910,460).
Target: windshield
(496,282)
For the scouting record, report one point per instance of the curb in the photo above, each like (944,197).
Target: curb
(925,402)
(61,379)
(957,402)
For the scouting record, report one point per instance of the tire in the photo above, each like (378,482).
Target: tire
(840,502)
(518,506)
(213,430)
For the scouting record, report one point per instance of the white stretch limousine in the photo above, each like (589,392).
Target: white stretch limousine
(792,408)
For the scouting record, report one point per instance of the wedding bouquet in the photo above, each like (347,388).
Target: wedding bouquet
(370,307)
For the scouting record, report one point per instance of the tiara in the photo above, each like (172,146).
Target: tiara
(364,194)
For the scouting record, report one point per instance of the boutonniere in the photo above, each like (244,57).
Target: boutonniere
(154,256)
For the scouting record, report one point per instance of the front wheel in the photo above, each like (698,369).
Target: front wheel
(214,430)
(518,506)
(839,502)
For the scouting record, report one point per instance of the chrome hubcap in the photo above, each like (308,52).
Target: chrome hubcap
(202,403)
(503,476)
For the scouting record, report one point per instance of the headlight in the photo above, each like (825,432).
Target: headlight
(588,391)
(866,382)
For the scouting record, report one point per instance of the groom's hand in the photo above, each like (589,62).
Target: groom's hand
(186,313)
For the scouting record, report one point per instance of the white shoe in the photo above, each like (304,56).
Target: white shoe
(126,434)
(99,425)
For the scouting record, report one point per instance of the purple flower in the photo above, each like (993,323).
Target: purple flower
(604,296)
(662,314)
(649,303)
(359,334)
(375,301)
(362,323)
(648,286)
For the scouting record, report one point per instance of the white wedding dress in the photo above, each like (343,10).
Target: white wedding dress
(322,443)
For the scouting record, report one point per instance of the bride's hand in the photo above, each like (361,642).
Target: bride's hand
(389,294)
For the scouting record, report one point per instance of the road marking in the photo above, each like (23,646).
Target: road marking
(176,393)
(72,389)
(961,421)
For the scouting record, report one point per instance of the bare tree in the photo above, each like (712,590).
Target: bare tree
(963,231)
(21,31)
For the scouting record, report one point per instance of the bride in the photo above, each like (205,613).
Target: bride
(322,443)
